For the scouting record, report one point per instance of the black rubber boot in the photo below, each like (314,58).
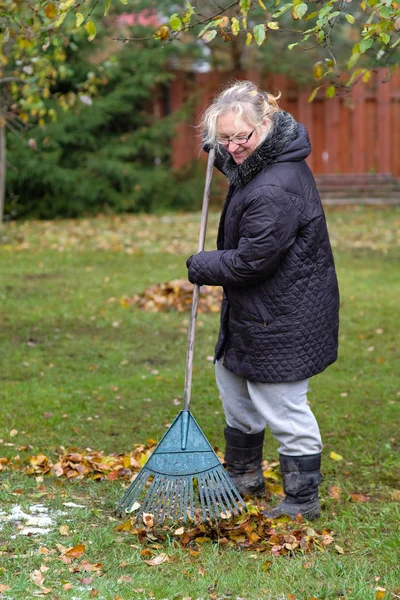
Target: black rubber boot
(243,457)
(301,477)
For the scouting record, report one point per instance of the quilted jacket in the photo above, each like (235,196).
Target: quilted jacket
(279,314)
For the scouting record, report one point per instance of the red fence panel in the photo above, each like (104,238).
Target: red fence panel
(357,132)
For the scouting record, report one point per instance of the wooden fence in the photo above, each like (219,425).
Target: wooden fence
(357,132)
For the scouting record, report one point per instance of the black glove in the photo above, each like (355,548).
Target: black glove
(192,273)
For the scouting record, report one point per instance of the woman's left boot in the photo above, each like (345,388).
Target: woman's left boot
(301,477)
(243,456)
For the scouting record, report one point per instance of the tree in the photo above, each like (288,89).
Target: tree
(33,59)
(111,154)
(351,37)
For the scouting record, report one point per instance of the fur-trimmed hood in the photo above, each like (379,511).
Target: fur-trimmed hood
(286,141)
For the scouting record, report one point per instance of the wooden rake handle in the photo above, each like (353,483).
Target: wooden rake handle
(196,288)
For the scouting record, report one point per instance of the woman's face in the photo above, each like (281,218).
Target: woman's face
(227,127)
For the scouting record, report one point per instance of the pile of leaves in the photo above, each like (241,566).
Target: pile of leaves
(176,295)
(250,530)
(89,464)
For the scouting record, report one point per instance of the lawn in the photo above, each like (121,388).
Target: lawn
(82,368)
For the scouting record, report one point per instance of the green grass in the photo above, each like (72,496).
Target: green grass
(78,368)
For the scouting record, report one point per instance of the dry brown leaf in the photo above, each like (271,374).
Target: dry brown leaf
(64,530)
(359,498)
(157,560)
(335,492)
(176,295)
(37,578)
(4,588)
(76,551)
(148,519)
(124,579)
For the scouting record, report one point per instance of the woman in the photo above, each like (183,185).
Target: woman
(279,315)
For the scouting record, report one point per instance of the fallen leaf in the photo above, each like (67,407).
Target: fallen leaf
(275,488)
(157,560)
(64,530)
(124,578)
(239,538)
(395,495)
(339,549)
(335,492)
(269,474)
(37,578)
(335,456)
(148,519)
(359,498)
(76,551)
(13,432)
(4,588)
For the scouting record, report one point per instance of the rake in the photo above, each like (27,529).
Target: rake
(183,477)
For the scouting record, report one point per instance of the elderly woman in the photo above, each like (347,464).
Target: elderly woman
(279,314)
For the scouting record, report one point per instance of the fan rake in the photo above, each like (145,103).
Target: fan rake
(184,478)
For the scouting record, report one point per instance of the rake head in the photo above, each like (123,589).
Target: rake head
(183,478)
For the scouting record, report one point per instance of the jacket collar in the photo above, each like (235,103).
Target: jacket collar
(284,130)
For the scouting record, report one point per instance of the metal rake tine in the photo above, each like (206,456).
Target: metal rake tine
(215,486)
(231,492)
(205,491)
(157,500)
(202,499)
(210,497)
(225,486)
(164,499)
(179,499)
(220,491)
(185,497)
(133,491)
(172,498)
(191,494)
(151,493)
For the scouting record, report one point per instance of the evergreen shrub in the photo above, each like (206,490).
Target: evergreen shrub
(113,155)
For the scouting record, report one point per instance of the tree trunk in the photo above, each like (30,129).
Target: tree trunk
(2,170)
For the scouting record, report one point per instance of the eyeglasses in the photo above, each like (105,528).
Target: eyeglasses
(236,139)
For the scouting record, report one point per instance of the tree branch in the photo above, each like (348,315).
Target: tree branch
(8,79)
(203,22)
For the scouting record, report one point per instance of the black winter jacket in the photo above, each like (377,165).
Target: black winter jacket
(279,314)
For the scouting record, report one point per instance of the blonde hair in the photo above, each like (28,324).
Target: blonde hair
(246,100)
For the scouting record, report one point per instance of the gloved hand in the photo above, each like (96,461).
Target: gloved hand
(192,273)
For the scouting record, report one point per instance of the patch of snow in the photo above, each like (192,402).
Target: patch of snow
(34,530)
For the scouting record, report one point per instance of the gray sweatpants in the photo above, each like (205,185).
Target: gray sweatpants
(251,406)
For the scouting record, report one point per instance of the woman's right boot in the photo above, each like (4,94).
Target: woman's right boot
(243,456)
